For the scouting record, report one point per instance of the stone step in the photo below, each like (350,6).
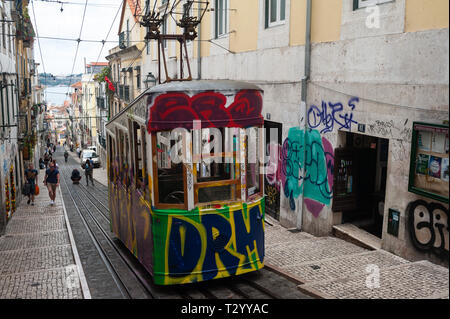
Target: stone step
(357,236)
(282,255)
(418,280)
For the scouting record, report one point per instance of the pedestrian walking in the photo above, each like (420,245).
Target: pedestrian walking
(46,160)
(66,155)
(78,152)
(51,180)
(41,163)
(30,178)
(88,171)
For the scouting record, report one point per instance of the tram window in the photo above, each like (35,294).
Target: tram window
(144,157)
(252,161)
(218,193)
(170,186)
(138,158)
(217,180)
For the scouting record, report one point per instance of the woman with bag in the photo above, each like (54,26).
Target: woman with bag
(30,177)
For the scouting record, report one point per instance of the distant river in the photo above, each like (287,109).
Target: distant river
(57,95)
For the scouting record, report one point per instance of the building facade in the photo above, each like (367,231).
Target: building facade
(343,81)
(18,117)
(125,60)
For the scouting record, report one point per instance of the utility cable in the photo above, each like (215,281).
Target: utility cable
(78,46)
(40,51)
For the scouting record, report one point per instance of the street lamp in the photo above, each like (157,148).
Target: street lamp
(150,80)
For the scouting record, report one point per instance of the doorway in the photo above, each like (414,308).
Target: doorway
(360,181)
(272,184)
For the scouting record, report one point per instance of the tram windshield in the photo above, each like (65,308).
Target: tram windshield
(221,157)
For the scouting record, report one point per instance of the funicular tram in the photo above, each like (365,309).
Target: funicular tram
(186,193)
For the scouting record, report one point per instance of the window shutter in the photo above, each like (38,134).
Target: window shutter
(355,4)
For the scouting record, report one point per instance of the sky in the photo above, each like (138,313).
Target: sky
(57,55)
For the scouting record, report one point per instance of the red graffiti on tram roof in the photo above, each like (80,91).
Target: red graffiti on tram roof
(172,110)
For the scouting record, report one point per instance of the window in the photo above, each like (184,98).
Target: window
(253,150)
(357,4)
(140,157)
(216,172)
(221,16)
(164,31)
(216,175)
(138,78)
(4,32)
(275,12)
(169,177)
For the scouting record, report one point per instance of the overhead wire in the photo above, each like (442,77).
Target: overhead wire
(40,50)
(78,46)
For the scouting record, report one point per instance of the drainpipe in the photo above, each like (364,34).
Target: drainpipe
(303,105)
(199,47)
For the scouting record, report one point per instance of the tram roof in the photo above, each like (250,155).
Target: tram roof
(221,118)
(203,85)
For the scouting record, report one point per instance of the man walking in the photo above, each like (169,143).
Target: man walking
(51,180)
(30,177)
(88,169)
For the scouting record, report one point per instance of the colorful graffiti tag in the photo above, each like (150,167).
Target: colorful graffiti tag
(428,227)
(317,183)
(175,110)
(331,114)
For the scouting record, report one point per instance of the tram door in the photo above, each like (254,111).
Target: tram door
(272,184)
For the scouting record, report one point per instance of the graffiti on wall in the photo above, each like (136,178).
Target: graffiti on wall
(317,183)
(333,115)
(428,227)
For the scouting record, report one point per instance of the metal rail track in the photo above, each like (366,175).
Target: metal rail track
(106,260)
(116,274)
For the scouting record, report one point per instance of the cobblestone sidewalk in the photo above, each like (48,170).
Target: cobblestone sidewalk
(331,268)
(37,257)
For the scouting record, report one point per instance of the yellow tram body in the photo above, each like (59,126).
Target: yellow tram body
(185,181)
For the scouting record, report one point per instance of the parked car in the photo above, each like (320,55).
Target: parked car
(93,148)
(85,154)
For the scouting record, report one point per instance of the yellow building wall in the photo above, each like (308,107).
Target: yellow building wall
(326,19)
(298,23)
(244,20)
(206,33)
(426,14)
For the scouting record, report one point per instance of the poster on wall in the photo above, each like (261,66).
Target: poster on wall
(428,173)
(422,164)
(435,167)
(445,172)
(424,141)
(438,143)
